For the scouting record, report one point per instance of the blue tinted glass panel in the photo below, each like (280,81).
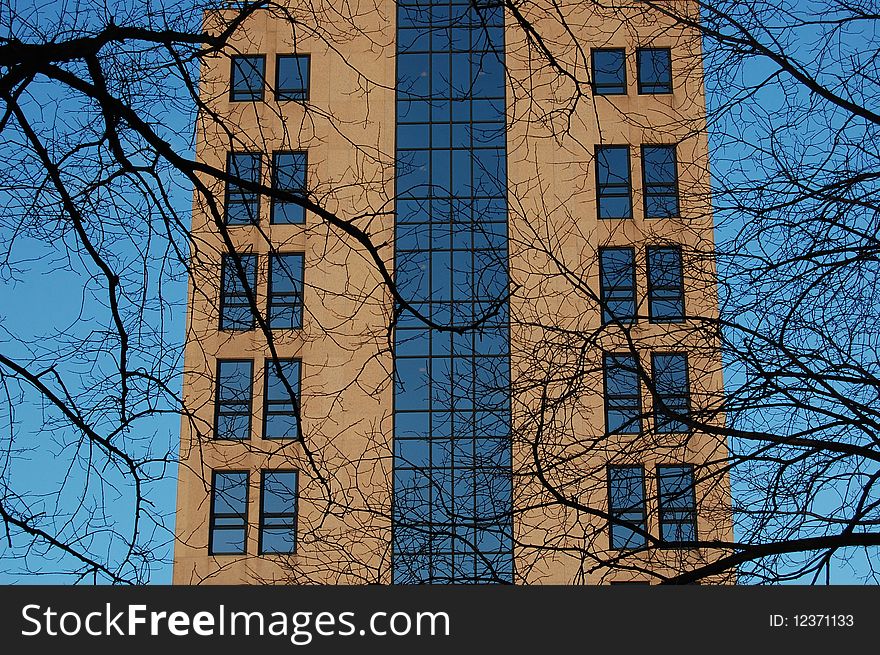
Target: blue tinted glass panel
(626,500)
(278,512)
(293,77)
(672,400)
(248,77)
(613,182)
(228,513)
(665,285)
(233,401)
(660,181)
(242,204)
(622,398)
(285,302)
(609,71)
(677,504)
(238,287)
(451,199)
(281,400)
(617,276)
(655,70)
(289,175)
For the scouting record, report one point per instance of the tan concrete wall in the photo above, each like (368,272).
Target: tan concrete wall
(557,339)
(347,127)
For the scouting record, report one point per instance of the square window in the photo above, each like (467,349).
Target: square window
(655,70)
(248,77)
(292,77)
(609,71)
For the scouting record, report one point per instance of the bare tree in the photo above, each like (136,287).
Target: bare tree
(98,106)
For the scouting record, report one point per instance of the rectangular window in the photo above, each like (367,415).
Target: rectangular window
(672,400)
(235,308)
(277,512)
(654,70)
(229,491)
(242,204)
(248,77)
(292,77)
(622,399)
(677,504)
(660,181)
(626,503)
(233,402)
(285,291)
(617,275)
(613,182)
(288,174)
(609,71)
(665,285)
(279,405)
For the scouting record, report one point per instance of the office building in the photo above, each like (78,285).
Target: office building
(531,400)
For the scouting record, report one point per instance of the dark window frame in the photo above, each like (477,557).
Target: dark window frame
(229,299)
(268,366)
(600,186)
(229,191)
(250,410)
(263,514)
(279,92)
(252,97)
(272,297)
(638,396)
(619,512)
(606,295)
(657,416)
(601,90)
(665,89)
(652,289)
(691,509)
(274,182)
(452,519)
(213,516)
(646,186)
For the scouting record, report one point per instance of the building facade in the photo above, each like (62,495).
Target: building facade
(452,300)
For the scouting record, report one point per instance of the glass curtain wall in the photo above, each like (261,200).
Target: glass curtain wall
(452,467)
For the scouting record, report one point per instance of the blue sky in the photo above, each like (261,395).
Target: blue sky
(50,299)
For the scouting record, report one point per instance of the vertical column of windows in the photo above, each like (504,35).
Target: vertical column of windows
(452,414)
